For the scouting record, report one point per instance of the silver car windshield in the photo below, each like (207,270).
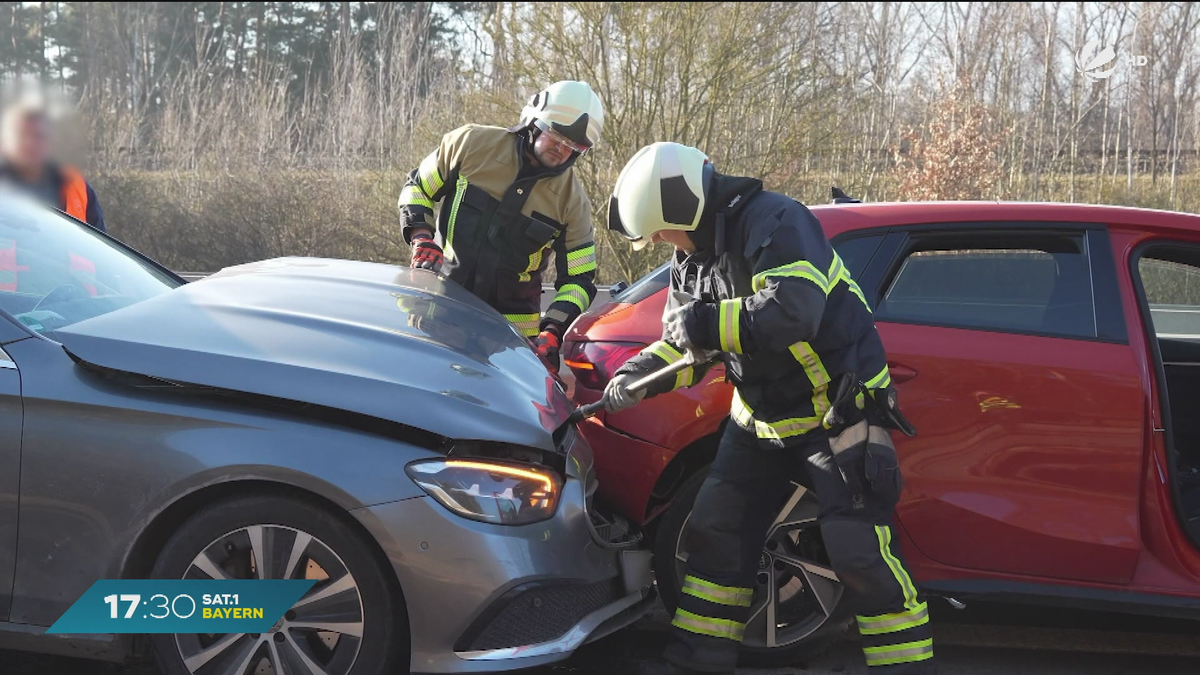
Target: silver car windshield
(55,271)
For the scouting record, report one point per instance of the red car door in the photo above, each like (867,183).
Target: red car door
(1008,347)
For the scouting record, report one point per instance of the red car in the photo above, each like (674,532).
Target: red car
(1049,357)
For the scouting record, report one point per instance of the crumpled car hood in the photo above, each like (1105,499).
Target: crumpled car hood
(403,345)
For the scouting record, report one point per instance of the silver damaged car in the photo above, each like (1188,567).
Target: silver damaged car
(374,428)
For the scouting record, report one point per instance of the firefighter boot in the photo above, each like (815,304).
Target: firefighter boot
(692,657)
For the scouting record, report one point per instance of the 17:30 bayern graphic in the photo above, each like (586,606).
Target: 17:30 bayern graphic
(181,606)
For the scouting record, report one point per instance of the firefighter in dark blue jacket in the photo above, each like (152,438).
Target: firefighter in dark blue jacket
(761,284)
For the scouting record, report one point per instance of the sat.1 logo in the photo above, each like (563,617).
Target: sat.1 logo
(1094,63)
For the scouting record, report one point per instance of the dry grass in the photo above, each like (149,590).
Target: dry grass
(203,221)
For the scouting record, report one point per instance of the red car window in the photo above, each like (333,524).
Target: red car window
(1033,285)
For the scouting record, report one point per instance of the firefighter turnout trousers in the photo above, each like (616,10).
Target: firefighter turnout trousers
(723,598)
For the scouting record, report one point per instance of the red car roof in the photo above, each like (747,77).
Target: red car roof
(838,218)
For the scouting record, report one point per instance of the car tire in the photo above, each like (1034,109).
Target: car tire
(669,581)
(216,539)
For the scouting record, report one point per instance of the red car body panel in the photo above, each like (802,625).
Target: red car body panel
(664,424)
(1024,444)
(1037,458)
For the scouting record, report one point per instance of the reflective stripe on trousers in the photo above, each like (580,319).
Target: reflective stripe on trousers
(712,627)
(897,643)
(711,609)
(726,530)
(731,596)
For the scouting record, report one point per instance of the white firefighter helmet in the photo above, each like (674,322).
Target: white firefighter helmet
(568,108)
(661,188)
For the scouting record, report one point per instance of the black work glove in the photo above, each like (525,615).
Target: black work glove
(426,254)
(693,326)
(547,344)
(881,466)
(848,435)
(861,444)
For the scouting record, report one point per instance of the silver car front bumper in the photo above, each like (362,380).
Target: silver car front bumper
(486,598)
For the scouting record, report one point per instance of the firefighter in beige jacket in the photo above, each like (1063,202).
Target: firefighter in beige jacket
(506,198)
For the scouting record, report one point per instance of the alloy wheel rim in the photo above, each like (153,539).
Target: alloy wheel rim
(320,635)
(796,590)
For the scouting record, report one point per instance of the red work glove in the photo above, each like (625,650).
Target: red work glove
(426,254)
(547,344)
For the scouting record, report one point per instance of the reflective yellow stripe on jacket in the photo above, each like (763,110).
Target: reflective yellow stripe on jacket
(574,294)
(535,261)
(818,374)
(838,272)
(581,260)
(527,324)
(729,325)
(460,189)
(411,195)
(666,352)
(826,281)
(431,179)
(801,269)
(777,430)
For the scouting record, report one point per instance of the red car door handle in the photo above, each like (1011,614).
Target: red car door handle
(901,373)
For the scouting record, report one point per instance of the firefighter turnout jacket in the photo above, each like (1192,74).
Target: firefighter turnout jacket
(775,298)
(499,217)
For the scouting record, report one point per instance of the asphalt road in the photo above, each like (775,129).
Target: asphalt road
(981,640)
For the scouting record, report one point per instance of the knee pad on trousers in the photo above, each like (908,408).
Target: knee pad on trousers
(870,573)
(714,529)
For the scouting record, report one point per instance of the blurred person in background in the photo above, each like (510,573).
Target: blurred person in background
(26,138)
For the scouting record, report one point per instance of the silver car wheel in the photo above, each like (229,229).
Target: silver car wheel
(321,633)
(796,590)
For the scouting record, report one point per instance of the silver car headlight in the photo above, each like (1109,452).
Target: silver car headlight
(489,491)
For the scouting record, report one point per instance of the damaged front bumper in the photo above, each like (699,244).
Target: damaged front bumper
(485,598)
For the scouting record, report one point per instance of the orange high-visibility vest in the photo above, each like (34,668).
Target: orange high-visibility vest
(75,204)
(74,194)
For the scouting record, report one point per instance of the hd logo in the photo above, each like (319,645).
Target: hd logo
(1094,63)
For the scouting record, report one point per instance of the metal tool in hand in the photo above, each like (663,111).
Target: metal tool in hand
(689,359)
